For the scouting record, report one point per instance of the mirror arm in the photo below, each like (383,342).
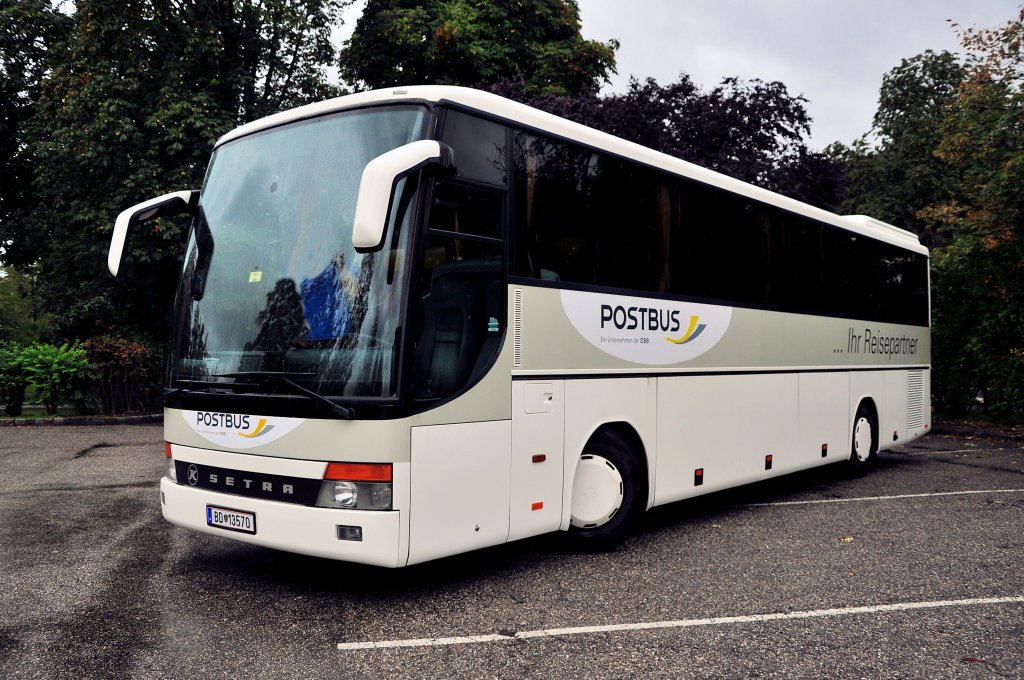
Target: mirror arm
(378,182)
(161,206)
(204,254)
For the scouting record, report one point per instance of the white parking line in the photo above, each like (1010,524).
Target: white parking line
(684,623)
(880,498)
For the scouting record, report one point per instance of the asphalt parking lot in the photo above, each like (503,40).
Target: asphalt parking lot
(913,571)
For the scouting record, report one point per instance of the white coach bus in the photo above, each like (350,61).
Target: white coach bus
(421,321)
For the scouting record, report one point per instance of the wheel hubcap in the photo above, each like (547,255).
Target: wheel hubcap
(596,492)
(862,439)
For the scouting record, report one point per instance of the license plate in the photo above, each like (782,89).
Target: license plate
(232,520)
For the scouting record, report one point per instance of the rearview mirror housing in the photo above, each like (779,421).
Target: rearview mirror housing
(161,206)
(377,187)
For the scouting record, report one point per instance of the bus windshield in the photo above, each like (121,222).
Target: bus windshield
(272,283)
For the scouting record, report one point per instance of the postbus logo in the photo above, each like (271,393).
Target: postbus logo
(239,430)
(692,333)
(260,430)
(646,331)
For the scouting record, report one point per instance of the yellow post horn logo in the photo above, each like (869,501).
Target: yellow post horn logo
(261,429)
(695,328)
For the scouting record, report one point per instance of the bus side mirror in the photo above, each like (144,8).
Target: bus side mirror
(377,187)
(161,206)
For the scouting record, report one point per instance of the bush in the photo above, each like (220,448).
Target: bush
(56,372)
(124,368)
(12,378)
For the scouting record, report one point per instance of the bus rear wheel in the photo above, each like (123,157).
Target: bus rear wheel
(605,492)
(865,440)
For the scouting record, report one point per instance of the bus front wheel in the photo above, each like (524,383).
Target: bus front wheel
(605,492)
(865,440)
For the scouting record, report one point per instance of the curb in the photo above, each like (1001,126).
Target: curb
(145,419)
(979,432)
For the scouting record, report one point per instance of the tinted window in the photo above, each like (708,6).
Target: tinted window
(587,218)
(464,210)
(798,281)
(479,147)
(726,247)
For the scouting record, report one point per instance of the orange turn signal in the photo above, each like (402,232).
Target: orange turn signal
(358,472)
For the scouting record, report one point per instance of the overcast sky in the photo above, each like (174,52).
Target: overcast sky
(833,52)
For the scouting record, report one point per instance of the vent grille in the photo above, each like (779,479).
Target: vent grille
(517,327)
(915,399)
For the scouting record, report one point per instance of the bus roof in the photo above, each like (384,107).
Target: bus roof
(526,116)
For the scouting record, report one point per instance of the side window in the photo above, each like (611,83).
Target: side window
(867,279)
(727,252)
(479,147)
(460,311)
(628,217)
(798,281)
(552,183)
(584,217)
(909,275)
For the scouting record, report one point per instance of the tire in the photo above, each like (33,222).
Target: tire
(864,444)
(606,493)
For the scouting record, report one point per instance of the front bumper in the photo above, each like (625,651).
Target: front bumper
(293,528)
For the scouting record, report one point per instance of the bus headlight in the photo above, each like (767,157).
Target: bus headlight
(346,495)
(356,486)
(354,495)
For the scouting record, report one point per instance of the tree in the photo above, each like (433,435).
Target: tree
(754,131)
(32,32)
(896,175)
(21,320)
(474,43)
(745,129)
(979,270)
(143,90)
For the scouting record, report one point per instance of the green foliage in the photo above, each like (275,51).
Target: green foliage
(897,175)
(949,166)
(127,108)
(31,33)
(977,340)
(20,317)
(12,378)
(476,43)
(55,372)
(108,373)
(982,255)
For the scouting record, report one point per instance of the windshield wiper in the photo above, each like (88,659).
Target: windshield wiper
(285,378)
(202,386)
